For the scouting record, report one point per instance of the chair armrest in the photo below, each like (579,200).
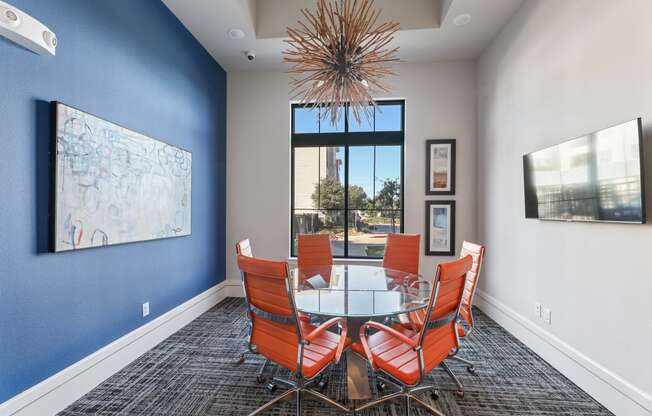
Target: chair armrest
(323,327)
(416,319)
(416,282)
(390,331)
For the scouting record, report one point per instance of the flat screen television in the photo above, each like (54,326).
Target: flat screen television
(597,177)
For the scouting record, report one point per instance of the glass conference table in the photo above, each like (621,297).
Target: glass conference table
(357,293)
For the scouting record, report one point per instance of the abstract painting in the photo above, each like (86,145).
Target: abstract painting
(440,228)
(111,185)
(440,171)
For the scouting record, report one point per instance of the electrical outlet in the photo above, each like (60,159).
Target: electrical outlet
(546,315)
(538,310)
(145,309)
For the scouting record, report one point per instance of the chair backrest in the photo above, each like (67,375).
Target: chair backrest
(402,252)
(275,332)
(476,251)
(314,250)
(244,247)
(443,311)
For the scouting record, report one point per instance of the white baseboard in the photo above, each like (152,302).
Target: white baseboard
(235,288)
(611,390)
(63,388)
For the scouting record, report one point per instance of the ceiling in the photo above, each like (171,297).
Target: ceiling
(427,34)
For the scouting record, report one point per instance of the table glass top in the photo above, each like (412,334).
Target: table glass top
(357,291)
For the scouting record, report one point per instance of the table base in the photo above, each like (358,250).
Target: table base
(357,377)
(356,367)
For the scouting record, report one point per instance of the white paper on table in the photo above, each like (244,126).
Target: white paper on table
(317,282)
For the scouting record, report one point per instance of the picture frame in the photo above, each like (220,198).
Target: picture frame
(110,185)
(440,167)
(440,228)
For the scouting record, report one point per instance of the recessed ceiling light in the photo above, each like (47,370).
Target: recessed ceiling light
(235,33)
(462,19)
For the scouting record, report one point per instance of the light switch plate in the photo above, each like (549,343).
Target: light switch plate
(145,309)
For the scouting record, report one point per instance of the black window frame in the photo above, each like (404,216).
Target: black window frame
(347,139)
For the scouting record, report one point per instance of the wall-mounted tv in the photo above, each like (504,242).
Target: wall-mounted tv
(597,177)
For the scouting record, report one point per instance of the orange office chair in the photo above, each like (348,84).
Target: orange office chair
(243,247)
(314,250)
(279,335)
(476,251)
(406,356)
(402,252)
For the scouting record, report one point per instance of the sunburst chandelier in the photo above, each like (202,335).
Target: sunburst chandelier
(340,55)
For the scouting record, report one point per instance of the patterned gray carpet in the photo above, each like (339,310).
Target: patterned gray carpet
(194,372)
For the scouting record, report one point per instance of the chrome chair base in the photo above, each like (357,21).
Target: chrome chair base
(458,383)
(300,391)
(470,365)
(383,382)
(260,377)
(408,396)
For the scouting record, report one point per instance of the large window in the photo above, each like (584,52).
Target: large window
(347,179)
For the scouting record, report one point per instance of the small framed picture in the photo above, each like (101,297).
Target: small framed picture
(440,167)
(440,228)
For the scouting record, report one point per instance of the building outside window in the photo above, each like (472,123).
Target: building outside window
(347,179)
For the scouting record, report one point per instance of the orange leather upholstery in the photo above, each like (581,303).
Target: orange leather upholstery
(476,251)
(267,289)
(314,250)
(402,252)
(265,282)
(461,332)
(416,322)
(452,278)
(394,350)
(400,360)
(279,343)
(244,247)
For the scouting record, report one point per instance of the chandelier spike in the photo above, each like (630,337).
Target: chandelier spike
(339,55)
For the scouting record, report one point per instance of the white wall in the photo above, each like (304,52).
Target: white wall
(440,103)
(560,69)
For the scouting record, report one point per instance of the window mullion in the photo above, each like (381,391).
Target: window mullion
(374,185)
(346,201)
(402,197)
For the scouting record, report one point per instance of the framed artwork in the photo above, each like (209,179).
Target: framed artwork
(440,228)
(440,167)
(111,185)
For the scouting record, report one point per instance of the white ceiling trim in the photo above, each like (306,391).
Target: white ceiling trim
(428,38)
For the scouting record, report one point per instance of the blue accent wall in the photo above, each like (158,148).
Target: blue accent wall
(133,63)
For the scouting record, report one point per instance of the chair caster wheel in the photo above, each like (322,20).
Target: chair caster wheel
(271,387)
(241,359)
(381,386)
(460,394)
(471,369)
(322,385)
(260,379)
(434,395)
